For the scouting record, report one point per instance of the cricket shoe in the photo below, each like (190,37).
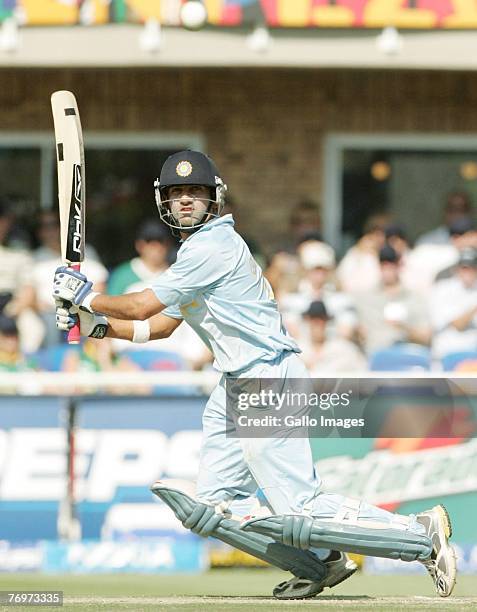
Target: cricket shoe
(441,565)
(339,566)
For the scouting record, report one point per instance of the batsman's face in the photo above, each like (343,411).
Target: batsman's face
(189,203)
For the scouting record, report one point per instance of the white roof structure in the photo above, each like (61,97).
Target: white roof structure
(118,46)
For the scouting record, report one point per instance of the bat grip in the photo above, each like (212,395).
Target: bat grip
(74,335)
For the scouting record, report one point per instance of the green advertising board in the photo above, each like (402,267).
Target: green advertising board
(405,475)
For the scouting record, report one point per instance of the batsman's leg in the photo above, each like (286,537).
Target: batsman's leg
(224,476)
(225,487)
(309,518)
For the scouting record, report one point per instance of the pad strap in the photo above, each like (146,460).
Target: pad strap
(348,511)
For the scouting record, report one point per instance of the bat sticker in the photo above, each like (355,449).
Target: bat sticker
(75,219)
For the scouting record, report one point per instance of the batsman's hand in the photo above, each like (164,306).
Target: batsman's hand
(73,287)
(91,324)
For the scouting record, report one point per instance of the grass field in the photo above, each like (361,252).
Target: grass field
(239,590)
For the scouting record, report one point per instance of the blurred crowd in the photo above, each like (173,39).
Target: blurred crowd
(385,304)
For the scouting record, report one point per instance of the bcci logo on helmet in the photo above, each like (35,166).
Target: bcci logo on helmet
(184,168)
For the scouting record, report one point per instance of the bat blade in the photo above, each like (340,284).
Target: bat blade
(71,175)
(71,182)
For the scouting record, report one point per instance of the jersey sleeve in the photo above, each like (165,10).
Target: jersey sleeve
(197,269)
(172,311)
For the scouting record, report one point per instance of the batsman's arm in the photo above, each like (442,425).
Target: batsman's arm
(95,325)
(161,326)
(139,306)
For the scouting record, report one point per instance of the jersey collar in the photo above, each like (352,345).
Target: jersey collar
(224,220)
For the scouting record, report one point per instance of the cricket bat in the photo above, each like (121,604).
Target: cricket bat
(71,183)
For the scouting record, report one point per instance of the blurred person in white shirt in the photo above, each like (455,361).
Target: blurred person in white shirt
(318,262)
(463,236)
(359,268)
(453,308)
(390,313)
(17,285)
(325,354)
(429,262)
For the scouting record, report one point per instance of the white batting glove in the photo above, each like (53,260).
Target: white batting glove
(91,324)
(73,287)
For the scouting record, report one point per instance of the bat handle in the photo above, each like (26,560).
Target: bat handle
(74,335)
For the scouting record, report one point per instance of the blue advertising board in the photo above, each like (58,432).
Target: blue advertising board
(122,446)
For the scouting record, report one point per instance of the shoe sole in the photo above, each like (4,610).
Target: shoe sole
(447,527)
(339,580)
(445,519)
(342,578)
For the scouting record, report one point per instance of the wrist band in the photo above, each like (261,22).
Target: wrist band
(86,303)
(142,331)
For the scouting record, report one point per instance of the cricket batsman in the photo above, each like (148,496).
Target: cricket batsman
(261,495)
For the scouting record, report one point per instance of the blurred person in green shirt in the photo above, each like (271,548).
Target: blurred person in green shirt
(153,245)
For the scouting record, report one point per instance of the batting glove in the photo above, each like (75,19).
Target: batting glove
(73,287)
(91,324)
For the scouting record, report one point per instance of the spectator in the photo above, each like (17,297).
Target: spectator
(153,242)
(283,274)
(458,206)
(463,236)
(323,354)
(11,356)
(427,263)
(395,236)
(318,262)
(48,232)
(453,308)
(17,293)
(304,224)
(390,313)
(15,271)
(48,258)
(359,268)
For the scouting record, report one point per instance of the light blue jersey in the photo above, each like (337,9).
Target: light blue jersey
(218,289)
